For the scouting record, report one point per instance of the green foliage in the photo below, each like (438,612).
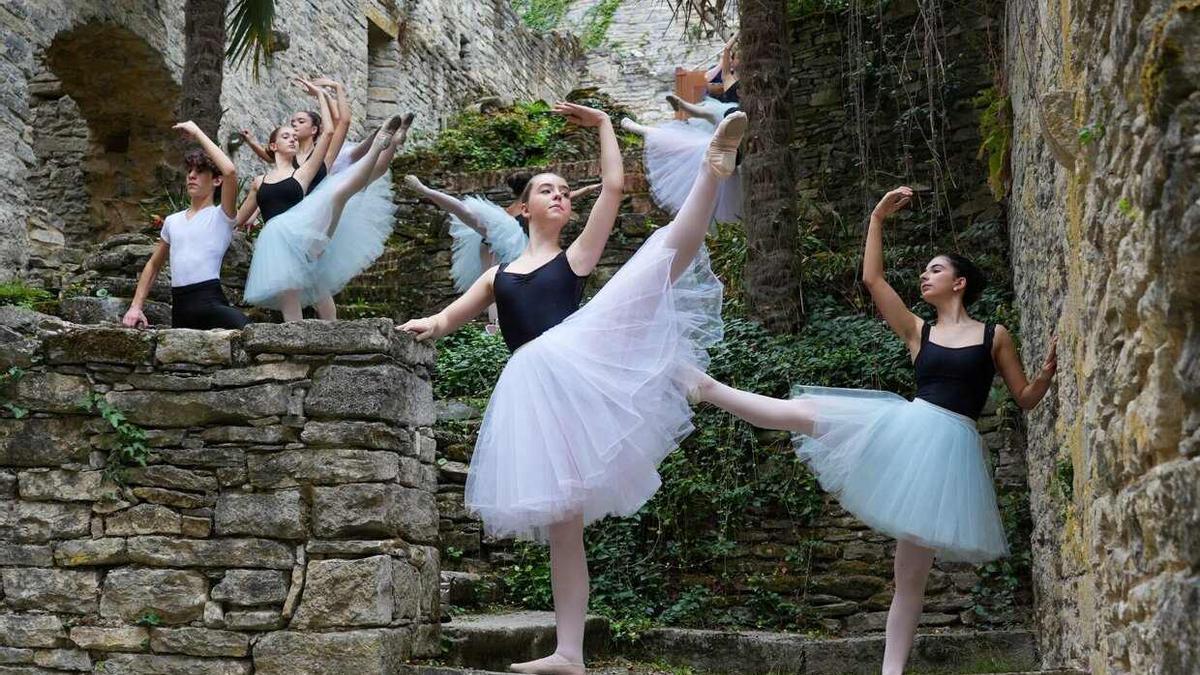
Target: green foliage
(1003,586)
(1064,478)
(251,32)
(1090,133)
(150,618)
(1127,208)
(995,128)
(597,21)
(22,295)
(797,9)
(527,134)
(7,379)
(468,363)
(541,15)
(129,447)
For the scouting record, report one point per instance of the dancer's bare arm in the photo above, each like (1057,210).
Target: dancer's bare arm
(341,116)
(229,186)
(135,318)
(585,191)
(252,143)
(585,251)
(249,209)
(466,307)
(1025,392)
(902,321)
(308,170)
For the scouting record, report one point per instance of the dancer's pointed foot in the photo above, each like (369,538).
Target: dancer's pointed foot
(628,124)
(390,127)
(549,665)
(413,183)
(721,157)
(698,383)
(675,102)
(408,120)
(405,125)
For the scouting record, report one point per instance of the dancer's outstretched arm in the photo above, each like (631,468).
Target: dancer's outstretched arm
(1027,394)
(902,321)
(134,317)
(249,209)
(469,305)
(229,186)
(253,144)
(341,115)
(308,170)
(584,191)
(448,203)
(585,251)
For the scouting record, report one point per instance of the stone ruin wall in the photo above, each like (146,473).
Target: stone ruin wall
(97,87)
(1105,228)
(285,521)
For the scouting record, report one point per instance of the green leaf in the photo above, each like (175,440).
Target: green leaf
(250,30)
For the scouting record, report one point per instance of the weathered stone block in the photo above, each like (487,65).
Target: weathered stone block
(320,467)
(320,337)
(90,552)
(37,522)
(256,435)
(26,555)
(406,587)
(168,552)
(31,630)
(252,587)
(172,477)
(260,619)
(63,659)
(361,651)
(142,519)
(183,345)
(175,596)
(156,664)
(120,639)
(264,514)
(62,485)
(356,434)
(199,642)
(101,345)
(179,500)
(52,441)
(49,589)
(209,458)
(280,371)
(374,510)
(52,392)
(380,392)
(198,408)
(346,593)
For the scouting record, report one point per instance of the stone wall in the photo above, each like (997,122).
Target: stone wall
(284,521)
(95,87)
(1106,246)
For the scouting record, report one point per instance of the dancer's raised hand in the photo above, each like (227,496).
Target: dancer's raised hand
(1050,365)
(189,127)
(326,82)
(892,202)
(308,87)
(580,115)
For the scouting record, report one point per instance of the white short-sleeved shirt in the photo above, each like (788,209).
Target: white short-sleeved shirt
(198,244)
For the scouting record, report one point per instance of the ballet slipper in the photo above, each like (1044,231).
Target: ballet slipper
(721,156)
(549,665)
(675,102)
(628,124)
(390,128)
(491,328)
(413,183)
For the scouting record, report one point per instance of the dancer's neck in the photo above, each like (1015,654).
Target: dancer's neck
(199,203)
(953,314)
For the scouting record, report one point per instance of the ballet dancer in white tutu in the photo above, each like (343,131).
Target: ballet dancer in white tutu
(295,263)
(915,470)
(591,400)
(485,234)
(673,149)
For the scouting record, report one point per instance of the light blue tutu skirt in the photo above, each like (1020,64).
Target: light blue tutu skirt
(582,415)
(506,240)
(294,251)
(909,469)
(673,156)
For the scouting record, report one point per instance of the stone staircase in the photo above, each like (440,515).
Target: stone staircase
(484,643)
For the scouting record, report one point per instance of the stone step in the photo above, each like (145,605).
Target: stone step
(492,641)
(644,669)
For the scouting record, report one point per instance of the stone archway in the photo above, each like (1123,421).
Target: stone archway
(102,104)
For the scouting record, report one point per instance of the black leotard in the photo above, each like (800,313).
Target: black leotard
(531,303)
(730,95)
(320,176)
(275,198)
(955,378)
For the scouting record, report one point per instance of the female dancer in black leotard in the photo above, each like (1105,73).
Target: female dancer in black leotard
(591,400)
(915,470)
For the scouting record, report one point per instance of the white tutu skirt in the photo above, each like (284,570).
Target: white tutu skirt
(581,416)
(715,107)
(343,159)
(294,252)
(673,156)
(909,469)
(506,240)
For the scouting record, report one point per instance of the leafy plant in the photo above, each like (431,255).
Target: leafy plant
(129,447)
(995,128)
(150,618)
(22,295)
(7,379)
(541,15)
(1091,132)
(468,363)
(598,19)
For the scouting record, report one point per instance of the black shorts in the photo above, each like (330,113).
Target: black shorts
(203,306)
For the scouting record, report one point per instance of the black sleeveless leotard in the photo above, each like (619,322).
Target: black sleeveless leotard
(320,175)
(275,198)
(955,378)
(531,303)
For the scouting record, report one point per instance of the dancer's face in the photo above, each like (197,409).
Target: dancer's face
(549,200)
(940,281)
(302,124)
(285,142)
(201,182)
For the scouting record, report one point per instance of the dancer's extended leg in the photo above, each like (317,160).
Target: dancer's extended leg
(639,129)
(692,109)
(569,584)
(289,304)
(358,176)
(912,571)
(686,233)
(447,203)
(761,411)
(326,309)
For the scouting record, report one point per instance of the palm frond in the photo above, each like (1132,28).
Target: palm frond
(706,14)
(251,32)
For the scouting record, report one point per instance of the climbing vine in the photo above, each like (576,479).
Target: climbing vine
(129,447)
(596,23)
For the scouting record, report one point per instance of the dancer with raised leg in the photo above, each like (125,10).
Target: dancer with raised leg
(591,400)
(915,470)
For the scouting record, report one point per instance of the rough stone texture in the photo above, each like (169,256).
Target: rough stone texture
(62,485)
(154,664)
(383,392)
(366,336)
(373,509)
(176,596)
(1106,239)
(194,346)
(320,467)
(267,514)
(346,593)
(53,590)
(123,639)
(63,659)
(193,408)
(242,552)
(199,642)
(142,519)
(251,587)
(360,651)
(31,630)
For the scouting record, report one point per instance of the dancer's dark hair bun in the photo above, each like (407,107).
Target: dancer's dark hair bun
(517,181)
(976,279)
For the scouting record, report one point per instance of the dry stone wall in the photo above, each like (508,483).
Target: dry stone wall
(285,521)
(1105,228)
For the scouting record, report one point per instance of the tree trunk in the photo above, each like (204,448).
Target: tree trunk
(772,276)
(203,64)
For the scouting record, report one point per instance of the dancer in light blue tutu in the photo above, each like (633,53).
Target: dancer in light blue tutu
(295,263)
(485,234)
(915,470)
